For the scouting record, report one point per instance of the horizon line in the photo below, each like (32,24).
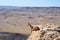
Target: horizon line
(31,6)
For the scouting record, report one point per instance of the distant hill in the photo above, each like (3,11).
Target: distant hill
(31,9)
(5,8)
(8,7)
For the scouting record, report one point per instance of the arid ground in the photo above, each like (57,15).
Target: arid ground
(14,20)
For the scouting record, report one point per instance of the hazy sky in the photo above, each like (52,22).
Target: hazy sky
(30,3)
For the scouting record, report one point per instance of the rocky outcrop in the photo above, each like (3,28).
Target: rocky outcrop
(47,32)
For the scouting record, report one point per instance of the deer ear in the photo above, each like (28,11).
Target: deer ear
(30,25)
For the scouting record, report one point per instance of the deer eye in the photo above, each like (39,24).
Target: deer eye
(36,29)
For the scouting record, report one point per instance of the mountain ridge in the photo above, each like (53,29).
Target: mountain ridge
(31,9)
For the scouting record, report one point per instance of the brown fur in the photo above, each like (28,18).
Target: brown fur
(33,28)
(44,32)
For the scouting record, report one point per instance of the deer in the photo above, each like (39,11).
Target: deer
(44,32)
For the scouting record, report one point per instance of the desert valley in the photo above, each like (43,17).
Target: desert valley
(14,20)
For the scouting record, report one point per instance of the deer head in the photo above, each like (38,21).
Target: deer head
(33,28)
